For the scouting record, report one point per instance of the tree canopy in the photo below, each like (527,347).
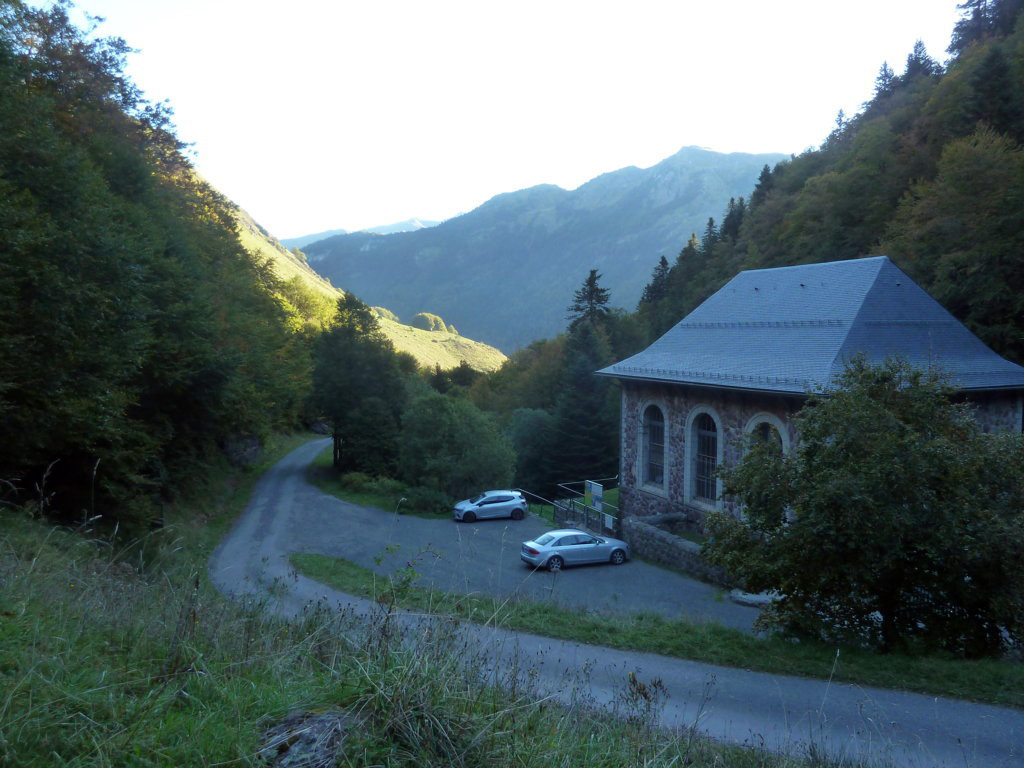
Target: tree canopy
(137,335)
(448,444)
(358,385)
(895,522)
(928,173)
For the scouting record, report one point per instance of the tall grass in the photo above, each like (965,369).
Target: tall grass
(993,681)
(113,656)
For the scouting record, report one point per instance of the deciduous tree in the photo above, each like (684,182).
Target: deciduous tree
(354,362)
(449,445)
(895,522)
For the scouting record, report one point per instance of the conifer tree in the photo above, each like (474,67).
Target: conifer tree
(585,427)
(995,97)
(710,238)
(733,219)
(654,291)
(920,64)
(763,186)
(885,82)
(590,302)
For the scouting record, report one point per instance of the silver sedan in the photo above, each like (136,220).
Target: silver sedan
(555,549)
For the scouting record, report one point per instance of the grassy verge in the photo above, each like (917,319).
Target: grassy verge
(993,682)
(124,656)
(544,511)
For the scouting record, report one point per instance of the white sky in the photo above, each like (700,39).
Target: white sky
(320,114)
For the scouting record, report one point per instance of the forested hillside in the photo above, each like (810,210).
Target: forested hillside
(930,172)
(137,334)
(147,325)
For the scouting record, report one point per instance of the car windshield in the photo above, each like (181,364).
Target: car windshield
(544,539)
(476,499)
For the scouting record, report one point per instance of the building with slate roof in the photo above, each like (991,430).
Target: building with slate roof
(745,359)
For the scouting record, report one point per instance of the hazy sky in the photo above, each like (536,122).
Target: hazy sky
(320,114)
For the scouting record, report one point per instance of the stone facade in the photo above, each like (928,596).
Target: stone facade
(998,411)
(735,414)
(653,543)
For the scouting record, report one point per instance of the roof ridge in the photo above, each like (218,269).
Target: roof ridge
(880,258)
(861,310)
(763,324)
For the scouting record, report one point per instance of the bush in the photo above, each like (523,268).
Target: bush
(355,481)
(426,321)
(385,486)
(428,501)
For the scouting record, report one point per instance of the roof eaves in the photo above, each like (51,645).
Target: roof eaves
(717,381)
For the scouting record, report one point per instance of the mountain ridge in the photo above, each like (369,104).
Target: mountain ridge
(505,271)
(408,225)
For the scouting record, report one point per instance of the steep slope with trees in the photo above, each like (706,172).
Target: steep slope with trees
(137,335)
(930,172)
(501,272)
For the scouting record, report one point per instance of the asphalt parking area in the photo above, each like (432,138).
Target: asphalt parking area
(483,557)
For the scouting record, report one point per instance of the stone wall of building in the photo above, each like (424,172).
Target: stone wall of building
(648,541)
(998,411)
(734,413)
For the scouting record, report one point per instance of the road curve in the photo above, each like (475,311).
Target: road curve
(777,712)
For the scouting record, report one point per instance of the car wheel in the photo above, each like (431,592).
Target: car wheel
(555,563)
(469,517)
(618,557)
(517,514)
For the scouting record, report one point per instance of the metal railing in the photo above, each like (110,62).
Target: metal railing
(573,510)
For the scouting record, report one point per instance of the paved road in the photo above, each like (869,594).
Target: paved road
(483,557)
(287,515)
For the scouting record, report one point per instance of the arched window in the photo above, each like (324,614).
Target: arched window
(768,433)
(705,457)
(769,428)
(653,471)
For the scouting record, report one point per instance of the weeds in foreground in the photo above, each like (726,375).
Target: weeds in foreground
(102,664)
(991,681)
(124,656)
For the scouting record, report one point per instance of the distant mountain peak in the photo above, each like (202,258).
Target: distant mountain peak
(508,268)
(409,225)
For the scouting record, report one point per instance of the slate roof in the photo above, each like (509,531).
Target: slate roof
(792,329)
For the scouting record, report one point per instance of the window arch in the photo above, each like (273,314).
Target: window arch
(768,426)
(705,445)
(652,468)
(705,455)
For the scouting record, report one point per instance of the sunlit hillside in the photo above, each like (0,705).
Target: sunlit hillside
(287,264)
(441,347)
(430,348)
